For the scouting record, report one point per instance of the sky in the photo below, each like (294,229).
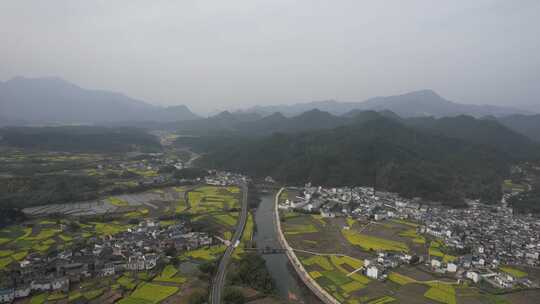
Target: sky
(216,55)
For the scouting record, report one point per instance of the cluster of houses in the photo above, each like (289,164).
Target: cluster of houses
(492,236)
(222,178)
(378,268)
(483,237)
(140,248)
(475,270)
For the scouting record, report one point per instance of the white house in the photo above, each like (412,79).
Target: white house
(327,213)
(22,291)
(40,285)
(60,283)
(451,267)
(150,261)
(373,272)
(7,295)
(474,276)
(107,270)
(435,263)
(502,282)
(379,217)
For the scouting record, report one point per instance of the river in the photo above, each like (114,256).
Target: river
(289,287)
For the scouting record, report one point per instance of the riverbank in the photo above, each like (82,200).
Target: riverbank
(288,285)
(322,294)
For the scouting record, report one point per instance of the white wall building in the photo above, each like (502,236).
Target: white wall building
(373,272)
(451,267)
(474,276)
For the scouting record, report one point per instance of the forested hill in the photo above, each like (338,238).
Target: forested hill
(399,158)
(487,132)
(528,125)
(80,139)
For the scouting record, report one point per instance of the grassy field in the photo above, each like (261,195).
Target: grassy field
(400,279)
(39,299)
(438,291)
(382,300)
(92,294)
(443,293)
(320,261)
(411,233)
(215,209)
(226,219)
(117,202)
(170,275)
(127,282)
(44,234)
(150,293)
(406,223)
(299,229)
(248,231)
(109,228)
(373,243)
(205,254)
(209,199)
(516,273)
(333,274)
(435,250)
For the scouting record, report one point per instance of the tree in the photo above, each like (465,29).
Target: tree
(233,296)
(208,268)
(252,272)
(198,298)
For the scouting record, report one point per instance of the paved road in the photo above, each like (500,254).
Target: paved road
(219,279)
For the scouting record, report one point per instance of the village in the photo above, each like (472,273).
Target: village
(140,248)
(481,243)
(131,241)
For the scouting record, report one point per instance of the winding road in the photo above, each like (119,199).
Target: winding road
(219,279)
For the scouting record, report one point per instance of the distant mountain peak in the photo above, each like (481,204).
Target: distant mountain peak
(49,79)
(428,93)
(418,103)
(53,100)
(276,115)
(223,114)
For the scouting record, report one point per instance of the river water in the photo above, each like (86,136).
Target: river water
(289,287)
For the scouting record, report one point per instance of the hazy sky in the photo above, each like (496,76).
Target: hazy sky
(221,54)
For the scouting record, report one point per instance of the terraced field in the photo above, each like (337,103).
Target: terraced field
(320,243)
(212,208)
(153,200)
(335,275)
(215,208)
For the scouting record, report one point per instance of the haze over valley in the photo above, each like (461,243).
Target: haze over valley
(269,152)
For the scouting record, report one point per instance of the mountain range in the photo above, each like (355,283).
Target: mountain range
(528,125)
(513,134)
(56,101)
(413,104)
(53,101)
(378,150)
(444,159)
